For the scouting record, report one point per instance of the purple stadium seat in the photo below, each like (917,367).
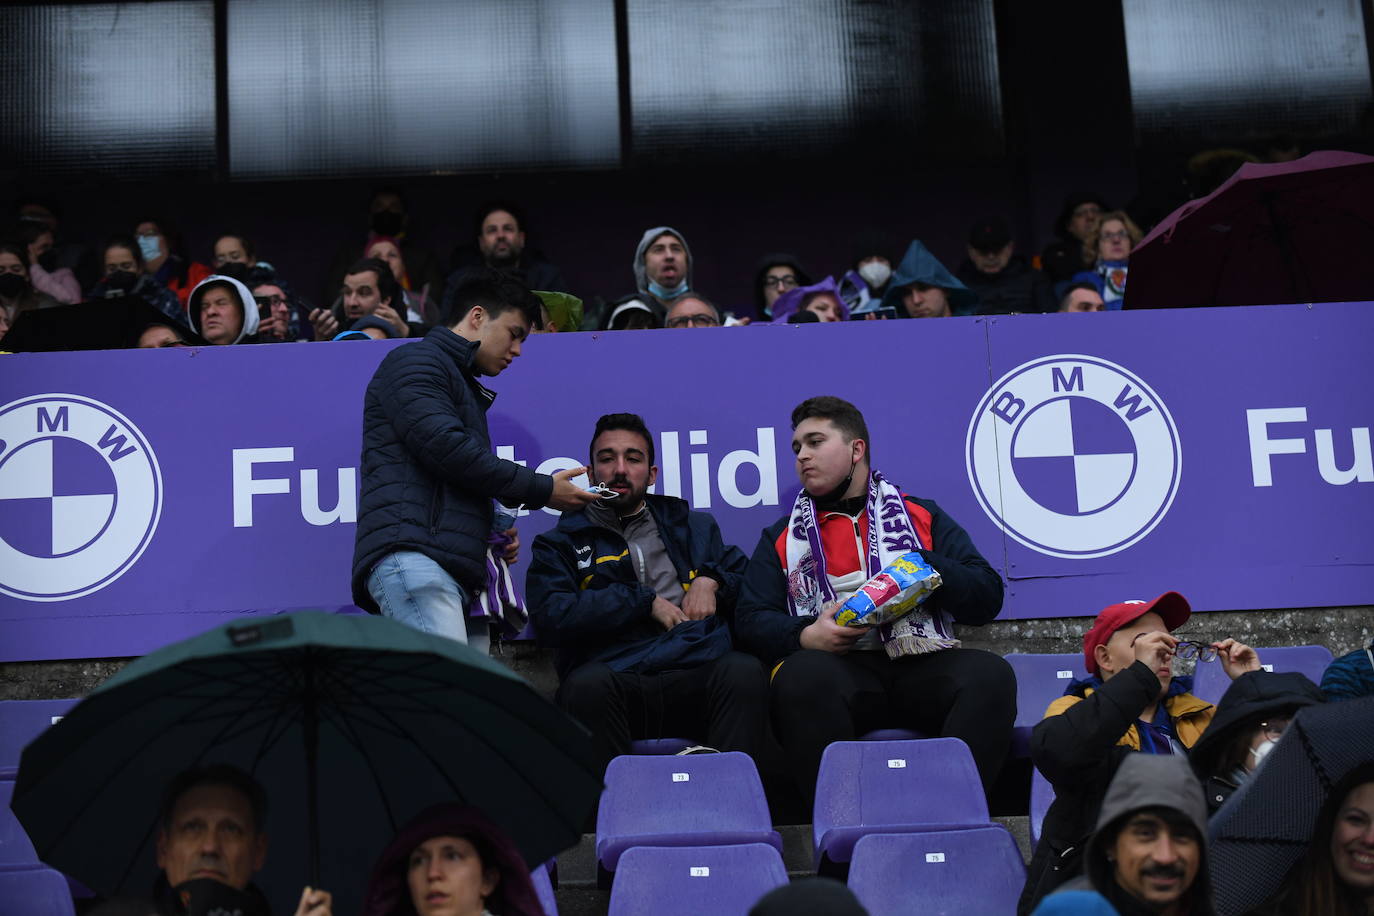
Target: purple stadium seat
(892,787)
(960,872)
(1041,795)
(699,800)
(34,890)
(23,720)
(691,880)
(543,889)
(1040,680)
(891,734)
(1210,681)
(661,745)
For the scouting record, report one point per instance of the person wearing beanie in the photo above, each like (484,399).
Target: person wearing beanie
(1131,703)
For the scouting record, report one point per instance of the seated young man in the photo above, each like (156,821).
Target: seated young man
(1130,703)
(636,593)
(832,682)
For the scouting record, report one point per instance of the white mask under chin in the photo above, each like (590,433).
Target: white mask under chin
(1259,753)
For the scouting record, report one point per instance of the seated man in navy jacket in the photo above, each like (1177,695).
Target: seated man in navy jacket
(833,683)
(636,592)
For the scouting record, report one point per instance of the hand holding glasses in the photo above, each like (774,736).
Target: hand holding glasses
(1188,649)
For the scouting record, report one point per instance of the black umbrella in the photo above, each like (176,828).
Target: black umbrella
(98,324)
(353,724)
(1264,829)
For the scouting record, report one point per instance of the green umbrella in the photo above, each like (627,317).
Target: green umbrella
(352,723)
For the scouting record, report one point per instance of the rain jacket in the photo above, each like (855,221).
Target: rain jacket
(920,266)
(1078,747)
(248,330)
(589,594)
(428,474)
(789,303)
(642,277)
(1250,699)
(971,592)
(1015,288)
(1146,781)
(1350,676)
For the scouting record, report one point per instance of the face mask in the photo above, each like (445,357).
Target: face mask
(48,260)
(387,222)
(151,245)
(120,282)
(12,286)
(875,273)
(666,292)
(1259,753)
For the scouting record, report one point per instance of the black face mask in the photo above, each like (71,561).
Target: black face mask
(120,282)
(48,260)
(12,286)
(387,222)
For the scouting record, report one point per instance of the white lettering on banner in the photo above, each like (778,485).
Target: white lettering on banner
(1263,447)
(246,486)
(345,509)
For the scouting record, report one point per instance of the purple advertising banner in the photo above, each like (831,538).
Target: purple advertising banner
(148,495)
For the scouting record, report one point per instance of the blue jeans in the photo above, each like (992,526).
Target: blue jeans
(413,589)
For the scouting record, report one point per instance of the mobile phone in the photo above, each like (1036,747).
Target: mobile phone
(264,306)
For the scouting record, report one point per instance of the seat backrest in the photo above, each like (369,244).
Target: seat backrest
(543,889)
(37,891)
(1040,680)
(1210,681)
(15,847)
(1041,797)
(697,793)
(691,880)
(872,783)
(955,872)
(23,720)
(666,746)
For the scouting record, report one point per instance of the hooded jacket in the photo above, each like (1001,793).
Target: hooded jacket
(1249,700)
(1350,676)
(920,266)
(1147,781)
(589,596)
(388,890)
(248,329)
(428,473)
(789,303)
(1085,736)
(642,277)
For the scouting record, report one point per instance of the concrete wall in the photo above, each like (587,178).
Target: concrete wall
(1339,629)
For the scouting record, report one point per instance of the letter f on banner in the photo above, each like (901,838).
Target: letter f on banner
(1262,448)
(246,486)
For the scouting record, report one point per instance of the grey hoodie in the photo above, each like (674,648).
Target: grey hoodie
(246,300)
(1147,781)
(642,279)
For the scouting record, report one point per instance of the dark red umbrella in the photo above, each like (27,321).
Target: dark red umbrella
(1287,232)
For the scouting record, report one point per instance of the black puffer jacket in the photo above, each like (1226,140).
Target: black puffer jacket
(429,475)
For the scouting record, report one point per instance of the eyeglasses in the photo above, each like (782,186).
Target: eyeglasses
(693,321)
(786,280)
(270,300)
(1118,236)
(1187,649)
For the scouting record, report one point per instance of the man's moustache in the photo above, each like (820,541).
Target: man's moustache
(1163,871)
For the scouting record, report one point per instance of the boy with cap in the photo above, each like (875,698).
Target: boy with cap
(1131,703)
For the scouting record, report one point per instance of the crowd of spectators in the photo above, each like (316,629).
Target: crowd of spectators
(385,285)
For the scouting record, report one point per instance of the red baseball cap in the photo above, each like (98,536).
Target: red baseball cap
(1171,606)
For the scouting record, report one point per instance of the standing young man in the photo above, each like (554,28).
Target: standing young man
(429,476)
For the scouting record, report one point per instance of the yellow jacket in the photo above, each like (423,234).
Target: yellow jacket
(1189,715)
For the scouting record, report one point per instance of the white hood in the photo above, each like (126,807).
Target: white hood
(250,306)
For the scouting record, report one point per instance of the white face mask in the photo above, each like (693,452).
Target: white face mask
(1259,753)
(875,273)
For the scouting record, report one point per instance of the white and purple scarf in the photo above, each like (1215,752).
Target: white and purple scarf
(498,600)
(890,534)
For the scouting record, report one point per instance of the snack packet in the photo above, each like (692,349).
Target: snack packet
(901,586)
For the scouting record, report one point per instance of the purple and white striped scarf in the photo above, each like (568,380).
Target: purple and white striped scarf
(498,600)
(890,534)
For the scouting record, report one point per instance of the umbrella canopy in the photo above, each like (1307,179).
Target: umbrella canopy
(361,719)
(1278,233)
(98,324)
(1264,829)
